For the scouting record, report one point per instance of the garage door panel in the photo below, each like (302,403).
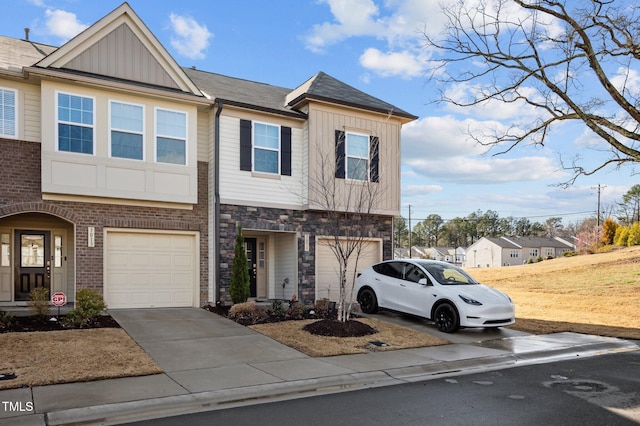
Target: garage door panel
(150,270)
(327,267)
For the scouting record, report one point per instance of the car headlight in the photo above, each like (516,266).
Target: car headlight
(469,300)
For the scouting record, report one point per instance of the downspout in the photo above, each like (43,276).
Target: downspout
(216,186)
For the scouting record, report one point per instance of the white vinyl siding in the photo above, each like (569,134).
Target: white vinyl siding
(239,187)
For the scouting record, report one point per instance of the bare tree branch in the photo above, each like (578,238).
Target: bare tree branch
(543,54)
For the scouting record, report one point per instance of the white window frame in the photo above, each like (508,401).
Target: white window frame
(533,252)
(15,113)
(112,129)
(347,157)
(254,147)
(160,135)
(515,253)
(73,123)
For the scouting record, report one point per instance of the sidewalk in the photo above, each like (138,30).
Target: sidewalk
(211,363)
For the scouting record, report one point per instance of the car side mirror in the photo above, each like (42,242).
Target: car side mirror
(424,281)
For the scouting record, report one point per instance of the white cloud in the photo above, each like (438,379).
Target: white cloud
(404,64)
(440,149)
(415,190)
(63,24)
(191,39)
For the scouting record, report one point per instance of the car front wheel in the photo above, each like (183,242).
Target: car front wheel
(367,301)
(446,318)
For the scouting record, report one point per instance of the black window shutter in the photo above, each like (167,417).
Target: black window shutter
(340,154)
(374,160)
(245,145)
(285,151)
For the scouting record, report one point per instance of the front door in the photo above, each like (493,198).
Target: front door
(33,262)
(250,249)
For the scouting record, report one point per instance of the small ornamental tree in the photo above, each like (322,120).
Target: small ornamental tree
(608,231)
(239,287)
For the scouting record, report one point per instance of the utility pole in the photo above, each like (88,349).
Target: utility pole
(410,231)
(599,188)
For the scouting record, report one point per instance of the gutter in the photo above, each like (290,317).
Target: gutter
(216,186)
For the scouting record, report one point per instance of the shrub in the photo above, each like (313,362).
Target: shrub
(608,231)
(248,313)
(296,310)
(89,306)
(239,286)
(322,308)
(277,308)
(6,319)
(39,301)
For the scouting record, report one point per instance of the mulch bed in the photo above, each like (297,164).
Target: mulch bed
(335,328)
(35,323)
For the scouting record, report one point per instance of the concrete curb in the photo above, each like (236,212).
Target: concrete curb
(117,413)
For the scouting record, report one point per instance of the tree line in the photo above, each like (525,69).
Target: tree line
(434,231)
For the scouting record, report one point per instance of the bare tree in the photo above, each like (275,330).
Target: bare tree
(565,60)
(347,205)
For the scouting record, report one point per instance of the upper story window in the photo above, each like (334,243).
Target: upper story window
(171,137)
(127,133)
(7,112)
(266,148)
(357,153)
(357,156)
(75,123)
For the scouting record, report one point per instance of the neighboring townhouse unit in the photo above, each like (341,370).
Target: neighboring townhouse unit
(123,172)
(508,251)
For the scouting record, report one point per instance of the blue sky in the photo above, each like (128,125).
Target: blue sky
(377,47)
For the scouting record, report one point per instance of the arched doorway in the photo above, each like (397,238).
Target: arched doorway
(36,250)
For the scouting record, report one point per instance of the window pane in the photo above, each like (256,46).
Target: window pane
(171,123)
(266,136)
(266,161)
(5,250)
(126,117)
(57,259)
(32,250)
(171,151)
(76,135)
(7,112)
(126,145)
(357,168)
(357,145)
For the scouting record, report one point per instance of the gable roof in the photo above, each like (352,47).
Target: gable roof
(243,93)
(323,87)
(120,46)
(16,54)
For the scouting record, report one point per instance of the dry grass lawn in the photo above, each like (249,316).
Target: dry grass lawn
(291,334)
(43,358)
(593,294)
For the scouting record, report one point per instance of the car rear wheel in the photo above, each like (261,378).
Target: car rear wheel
(446,318)
(368,301)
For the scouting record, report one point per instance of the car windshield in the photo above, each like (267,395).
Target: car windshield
(448,274)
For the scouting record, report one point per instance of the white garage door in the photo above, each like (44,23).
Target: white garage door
(150,270)
(327,270)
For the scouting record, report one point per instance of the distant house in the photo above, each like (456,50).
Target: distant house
(507,251)
(445,254)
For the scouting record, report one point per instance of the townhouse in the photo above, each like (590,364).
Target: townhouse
(124,172)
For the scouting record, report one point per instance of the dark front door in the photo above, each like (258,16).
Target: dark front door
(250,249)
(33,262)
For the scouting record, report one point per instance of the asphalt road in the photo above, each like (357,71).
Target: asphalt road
(602,390)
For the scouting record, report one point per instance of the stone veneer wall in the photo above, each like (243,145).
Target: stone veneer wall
(21,192)
(300,221)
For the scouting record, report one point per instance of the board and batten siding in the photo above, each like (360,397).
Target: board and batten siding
(324,120)
(257,189)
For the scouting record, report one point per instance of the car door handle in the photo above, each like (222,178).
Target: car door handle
(403,285)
